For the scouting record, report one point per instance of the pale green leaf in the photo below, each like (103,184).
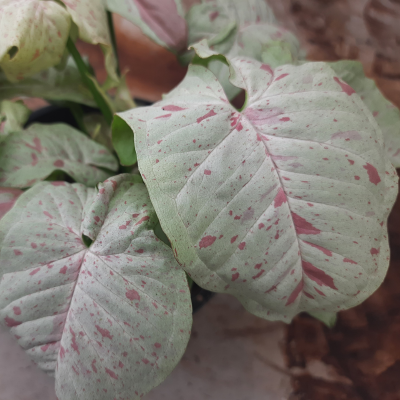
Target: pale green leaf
(386,114)
(110,321)
(98,129)
(162,21)
(284,204)
(34,34)
(329,319)
(50,84)
(13,116)
(31,155)
(122,141)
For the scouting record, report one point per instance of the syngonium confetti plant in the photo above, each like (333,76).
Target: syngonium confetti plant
(282,203)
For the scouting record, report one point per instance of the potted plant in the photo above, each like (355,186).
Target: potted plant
(281,202)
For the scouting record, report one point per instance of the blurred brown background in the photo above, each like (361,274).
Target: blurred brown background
(233,355)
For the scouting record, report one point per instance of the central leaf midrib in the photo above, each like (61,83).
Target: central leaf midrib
(287,197)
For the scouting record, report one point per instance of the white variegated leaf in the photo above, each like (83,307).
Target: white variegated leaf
(109,321)
(283,204)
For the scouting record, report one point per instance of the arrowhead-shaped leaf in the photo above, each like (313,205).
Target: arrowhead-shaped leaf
(386,114)
(50,84)
(29,156)
(162,21)
(110,321)
(8,197)
(33,36)
(284,204)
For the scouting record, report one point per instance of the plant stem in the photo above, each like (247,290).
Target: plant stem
(77,112)
(85,73)
(113,40)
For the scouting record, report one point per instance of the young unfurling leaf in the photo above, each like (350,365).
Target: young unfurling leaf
(283,204)
(108,321)
(245,28)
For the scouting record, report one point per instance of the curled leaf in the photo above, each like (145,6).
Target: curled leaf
(283,204)
(28,156)
(162,20)
(241,28)
(13,115)
(109,321)
(34,34)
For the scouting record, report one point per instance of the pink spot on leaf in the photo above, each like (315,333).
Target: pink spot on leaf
(318,275)
(132,295)
(207,241)
(10,322)
(372,173)
(295,293)
(17,310)
(112,373)
(105,333)
(59,163)
(47,214)
(280,198)
(323,249)
(345,87)
(173,108)
(374,251)
(208,115)
(304,227)
(281,77)
(63,270)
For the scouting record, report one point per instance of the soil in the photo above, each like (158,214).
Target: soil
(359,359)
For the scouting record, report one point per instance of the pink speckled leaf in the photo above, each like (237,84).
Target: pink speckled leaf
(29,156)
(386,114)
(162,20)
(283,204)
(8,197)
(50,84)
(110,321)
(33,36)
